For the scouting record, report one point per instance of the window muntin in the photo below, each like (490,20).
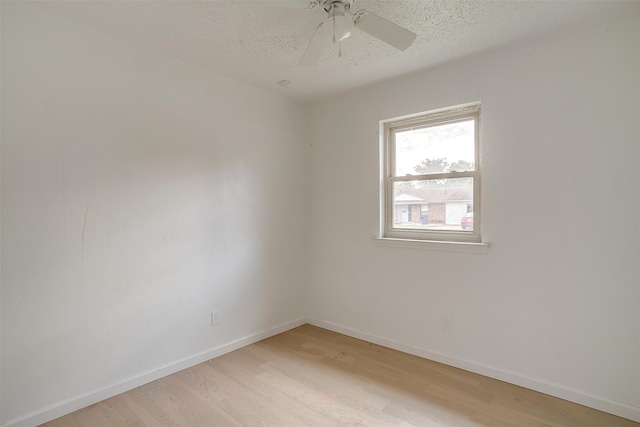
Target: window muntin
(432,176)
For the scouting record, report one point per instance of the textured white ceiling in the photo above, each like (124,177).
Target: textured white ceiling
(261,42)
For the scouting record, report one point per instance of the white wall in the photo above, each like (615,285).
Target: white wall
(555,303)
(139,194)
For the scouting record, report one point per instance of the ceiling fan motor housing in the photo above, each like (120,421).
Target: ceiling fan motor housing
(336,6)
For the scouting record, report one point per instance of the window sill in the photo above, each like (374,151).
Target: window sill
(477,248)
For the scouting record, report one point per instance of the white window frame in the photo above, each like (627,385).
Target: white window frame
(388,129)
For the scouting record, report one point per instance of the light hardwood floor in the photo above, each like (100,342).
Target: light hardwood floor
(313,377)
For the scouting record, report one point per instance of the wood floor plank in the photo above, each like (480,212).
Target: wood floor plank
(248,400)
(423,415)
(65,421)
(146,413)
(331,405)
(304,415)
(93,416)
(119,414)
(206,389)
(357,399)
(148,398)
(239,403)
(310,376)
(199,403)
(353,385)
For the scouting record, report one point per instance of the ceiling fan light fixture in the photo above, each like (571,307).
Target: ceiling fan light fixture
(341,27)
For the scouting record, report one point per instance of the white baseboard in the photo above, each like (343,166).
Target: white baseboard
(65,407)
(556,390)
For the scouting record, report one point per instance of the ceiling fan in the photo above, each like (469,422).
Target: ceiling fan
(337,27)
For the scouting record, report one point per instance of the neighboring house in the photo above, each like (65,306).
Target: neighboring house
(436,205)
(408,209)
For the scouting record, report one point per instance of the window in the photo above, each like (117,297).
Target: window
(431,176)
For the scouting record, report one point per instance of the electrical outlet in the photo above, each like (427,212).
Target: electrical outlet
(446,324)
(215,318)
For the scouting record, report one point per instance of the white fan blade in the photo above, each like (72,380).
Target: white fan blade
(387,31)
(320,41)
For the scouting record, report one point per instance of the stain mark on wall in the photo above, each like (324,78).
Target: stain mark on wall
(84,226)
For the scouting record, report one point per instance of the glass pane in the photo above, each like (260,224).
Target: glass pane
(435,204)
(442,148)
